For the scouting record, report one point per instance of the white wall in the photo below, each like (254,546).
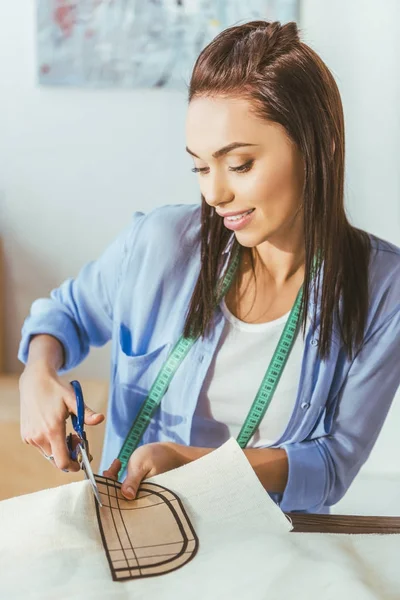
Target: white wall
(75,164)
(360,42)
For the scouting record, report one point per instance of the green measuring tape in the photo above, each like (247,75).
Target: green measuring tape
(272,376)
(179,352)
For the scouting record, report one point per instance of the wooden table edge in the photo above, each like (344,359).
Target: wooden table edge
(357,524)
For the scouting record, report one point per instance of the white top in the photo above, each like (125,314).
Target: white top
(234,377)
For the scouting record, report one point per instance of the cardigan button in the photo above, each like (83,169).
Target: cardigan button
(314,342)
(305,405)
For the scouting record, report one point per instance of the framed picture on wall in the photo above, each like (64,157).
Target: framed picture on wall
(136,43)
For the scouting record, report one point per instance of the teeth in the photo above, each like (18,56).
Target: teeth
(238,217)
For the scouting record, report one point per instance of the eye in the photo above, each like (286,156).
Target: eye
(241,169)
(197,170)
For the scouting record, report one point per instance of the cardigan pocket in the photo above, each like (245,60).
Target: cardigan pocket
(134,376)
(140,369)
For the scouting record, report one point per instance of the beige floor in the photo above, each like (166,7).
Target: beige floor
(22,468)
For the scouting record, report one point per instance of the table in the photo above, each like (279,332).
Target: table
(308,523)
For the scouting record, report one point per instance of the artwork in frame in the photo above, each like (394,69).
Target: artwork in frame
(137,43)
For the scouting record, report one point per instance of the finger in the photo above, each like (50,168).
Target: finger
(137,471)
(59,450)
(112,472)
(91,417)
(43,446)
(24,437)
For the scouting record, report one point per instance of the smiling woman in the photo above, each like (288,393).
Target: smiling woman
(256,186)
(275,164)
(260,85)
(261,314)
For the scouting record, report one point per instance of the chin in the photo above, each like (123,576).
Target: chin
(251,240)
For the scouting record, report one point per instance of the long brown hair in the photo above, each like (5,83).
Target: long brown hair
(287,82)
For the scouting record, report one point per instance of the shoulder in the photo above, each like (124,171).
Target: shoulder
(382,250)
(384,278)
(168,222)
(173,220)
(384,265)
(165,232)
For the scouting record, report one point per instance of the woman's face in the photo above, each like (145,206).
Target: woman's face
(264,175)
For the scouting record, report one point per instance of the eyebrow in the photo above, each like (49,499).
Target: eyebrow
(224,150)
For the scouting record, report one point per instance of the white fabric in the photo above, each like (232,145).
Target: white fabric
(50,546)
(234,377)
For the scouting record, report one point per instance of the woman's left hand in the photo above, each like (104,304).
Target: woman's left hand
(146,461)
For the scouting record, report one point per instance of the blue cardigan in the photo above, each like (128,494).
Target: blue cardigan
(137,294)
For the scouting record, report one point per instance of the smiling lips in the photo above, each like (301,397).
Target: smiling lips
(237,220)
(239,216)
(234,214)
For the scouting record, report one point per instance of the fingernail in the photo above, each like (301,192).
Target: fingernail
(130,492)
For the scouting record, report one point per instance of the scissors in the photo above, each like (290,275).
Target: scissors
(81,452)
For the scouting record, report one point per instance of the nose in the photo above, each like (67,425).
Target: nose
(216,190)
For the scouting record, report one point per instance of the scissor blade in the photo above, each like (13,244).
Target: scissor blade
(89,474)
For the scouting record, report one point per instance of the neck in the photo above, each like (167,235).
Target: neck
(280,263)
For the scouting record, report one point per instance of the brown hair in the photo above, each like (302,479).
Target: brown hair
(287,82)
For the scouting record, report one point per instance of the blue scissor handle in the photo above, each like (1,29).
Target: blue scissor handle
(78,421)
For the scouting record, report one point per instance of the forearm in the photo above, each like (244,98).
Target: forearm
(46,350)
(269,464)
(271,467)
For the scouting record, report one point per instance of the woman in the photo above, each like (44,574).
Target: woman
(269,283)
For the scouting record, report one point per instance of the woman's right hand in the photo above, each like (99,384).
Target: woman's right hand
(46,403)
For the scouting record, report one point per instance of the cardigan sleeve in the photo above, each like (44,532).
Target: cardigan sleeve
(79,313)
(321,470)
